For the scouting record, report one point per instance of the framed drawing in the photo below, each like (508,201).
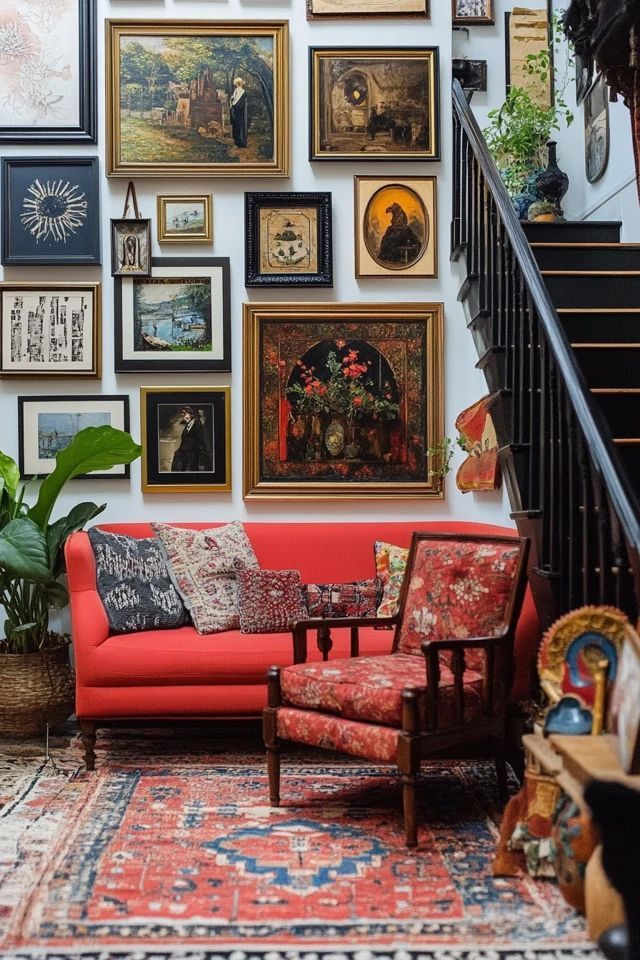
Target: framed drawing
(366,9)
(395,227)
(341,400)
(48,70)
(50,329)
(624,710)
(288,240)
(50,211)
(471,12)
(177,319)
(218,106)
(372,103)
(185,219)
(186,439)
(47,425)
(596,130)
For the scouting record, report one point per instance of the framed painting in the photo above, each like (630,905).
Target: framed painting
(471,12)
(177,319)
(50,329)
(50,211)
(218,106)
(186,439)
(185,219)
(624,710)
(366,9)
(48,69)
(596,130)
(341,400)
(395,227)
(372,103)
(288,240)
(47,425)
(130,248)
(527,34)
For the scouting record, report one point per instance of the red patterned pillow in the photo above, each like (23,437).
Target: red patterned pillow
(269,601)
(357,599)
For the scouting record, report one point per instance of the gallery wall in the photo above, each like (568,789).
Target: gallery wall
(462,383)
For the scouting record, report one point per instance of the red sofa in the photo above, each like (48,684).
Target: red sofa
(180,674)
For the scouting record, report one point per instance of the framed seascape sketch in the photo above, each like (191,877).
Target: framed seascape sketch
(185,219)
(361,9)
(47,425)
(288,240)
(342,400)
(596,130)
(369,103)
(177,319)
(186,439)
(50,329)
(471,12)
(50,211)
(395,227)
(48,71)
(218,104)
(624,710)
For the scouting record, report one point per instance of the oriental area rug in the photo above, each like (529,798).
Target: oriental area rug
(170,851)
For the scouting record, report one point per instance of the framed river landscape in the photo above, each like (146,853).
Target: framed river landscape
(197,97)
(342,400)
(175,320)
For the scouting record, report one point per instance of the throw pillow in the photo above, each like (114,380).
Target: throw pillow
(391,562)
(269,601)
(357,599)
(201,565)
(134,584)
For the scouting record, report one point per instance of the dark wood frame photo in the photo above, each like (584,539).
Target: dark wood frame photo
(85,131)
(73,402)
(254,206)
(132,359)
(460,20)
(131,259)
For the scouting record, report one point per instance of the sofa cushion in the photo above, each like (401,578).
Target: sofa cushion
(268,600)
(201,565)
(134,584)
(391,562)
(360,598)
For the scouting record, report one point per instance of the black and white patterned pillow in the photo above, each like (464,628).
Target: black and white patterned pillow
(134,584)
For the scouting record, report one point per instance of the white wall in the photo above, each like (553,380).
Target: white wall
(463,384)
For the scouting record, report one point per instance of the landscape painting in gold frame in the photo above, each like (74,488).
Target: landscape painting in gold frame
(342,400)
(395,227)
(218,106)
(184,219)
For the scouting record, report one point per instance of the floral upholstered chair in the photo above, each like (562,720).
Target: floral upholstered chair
(444,684)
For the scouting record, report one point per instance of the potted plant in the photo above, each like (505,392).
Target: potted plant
(36,680)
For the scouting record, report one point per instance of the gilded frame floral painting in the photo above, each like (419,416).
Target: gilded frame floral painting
(342,400)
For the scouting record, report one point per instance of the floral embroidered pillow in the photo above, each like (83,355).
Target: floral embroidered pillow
(269,601)
(357,599)
(391,562)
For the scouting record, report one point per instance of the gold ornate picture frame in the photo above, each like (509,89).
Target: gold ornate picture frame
(185,218)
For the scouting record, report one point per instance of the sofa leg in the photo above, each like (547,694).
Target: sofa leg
(88,736)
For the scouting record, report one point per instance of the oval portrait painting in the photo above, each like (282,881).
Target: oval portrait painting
(396,227)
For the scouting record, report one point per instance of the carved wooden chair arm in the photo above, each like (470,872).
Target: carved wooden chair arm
(323,629)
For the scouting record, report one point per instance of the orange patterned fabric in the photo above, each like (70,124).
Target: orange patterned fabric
(335,733)
(457,590)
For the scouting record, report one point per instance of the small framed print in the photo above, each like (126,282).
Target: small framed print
(130,248)
(50,329)
(288,240)
(185,219)
(470,12)
(366,9)
(47,425)
(186,439)
(395,227)
(50,211)
(177,319)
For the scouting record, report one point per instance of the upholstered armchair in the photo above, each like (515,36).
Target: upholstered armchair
(445,683)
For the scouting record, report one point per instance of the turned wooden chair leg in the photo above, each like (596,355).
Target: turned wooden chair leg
(409,764)
(270,734)
(409,784)
(88,736)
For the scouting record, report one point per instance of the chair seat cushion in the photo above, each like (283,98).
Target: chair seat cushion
(368,740)
(370,688)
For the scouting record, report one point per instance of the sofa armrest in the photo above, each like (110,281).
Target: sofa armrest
(323,633)
(89,623)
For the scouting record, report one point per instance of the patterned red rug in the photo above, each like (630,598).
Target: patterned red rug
(181,856)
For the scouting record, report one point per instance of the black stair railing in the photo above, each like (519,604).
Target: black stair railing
(566,487)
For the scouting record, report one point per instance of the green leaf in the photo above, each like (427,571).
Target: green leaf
(58,532)
(23,551)
(10,474)
(94,448)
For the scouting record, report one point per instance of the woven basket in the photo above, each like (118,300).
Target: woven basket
(35,689)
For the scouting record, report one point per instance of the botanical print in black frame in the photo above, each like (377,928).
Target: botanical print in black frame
(288,240)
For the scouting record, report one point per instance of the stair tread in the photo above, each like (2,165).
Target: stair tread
(627,345)
(591,245)
(634,390)
(597,309)
(590,273)
(627,440)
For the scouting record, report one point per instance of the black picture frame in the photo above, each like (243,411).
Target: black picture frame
(136,263)
(137,354)
(472,19)
(257,234)
(85,131)
(73,402)
(33,188)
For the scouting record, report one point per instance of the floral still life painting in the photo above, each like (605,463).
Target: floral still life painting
(481,470)
(347,398)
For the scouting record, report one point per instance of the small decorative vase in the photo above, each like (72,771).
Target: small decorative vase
(553,182)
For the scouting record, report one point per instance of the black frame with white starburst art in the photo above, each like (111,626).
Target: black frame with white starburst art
(50,211)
